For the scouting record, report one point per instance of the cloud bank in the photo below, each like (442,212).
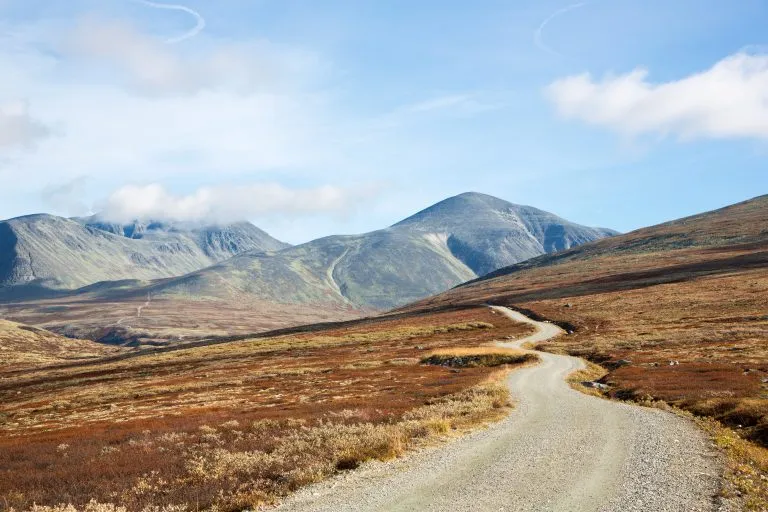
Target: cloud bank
(729,100)
(226,203)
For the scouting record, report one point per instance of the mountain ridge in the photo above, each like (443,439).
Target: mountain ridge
(450,242)
(57,253)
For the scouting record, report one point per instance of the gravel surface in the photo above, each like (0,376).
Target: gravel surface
(559,450)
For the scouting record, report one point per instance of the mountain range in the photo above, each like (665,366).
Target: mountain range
(55,253)
(453,241)
(160,282)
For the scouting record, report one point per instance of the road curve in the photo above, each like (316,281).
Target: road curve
(559,450)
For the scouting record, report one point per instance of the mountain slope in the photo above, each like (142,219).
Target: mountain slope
(218,242)
(487,233)
(715,241)
(51,252)
(440,247)
(25,346)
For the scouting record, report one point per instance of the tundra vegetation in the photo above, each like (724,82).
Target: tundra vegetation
(674,314)
(240,424)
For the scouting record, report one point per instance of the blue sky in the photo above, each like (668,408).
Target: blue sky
(314,118)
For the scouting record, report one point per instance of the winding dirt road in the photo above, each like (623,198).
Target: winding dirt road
(559,450)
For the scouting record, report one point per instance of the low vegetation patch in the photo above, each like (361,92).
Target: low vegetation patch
(241,424)
(234,466)
(592,373)
(747,466)
(479,356)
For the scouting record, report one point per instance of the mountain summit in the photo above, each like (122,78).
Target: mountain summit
(486,233)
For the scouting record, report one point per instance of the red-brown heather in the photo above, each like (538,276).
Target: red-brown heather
(239,424)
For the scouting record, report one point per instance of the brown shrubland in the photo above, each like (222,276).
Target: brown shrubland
(238,424)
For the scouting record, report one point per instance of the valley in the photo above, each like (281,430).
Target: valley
(234,403)
(264,284)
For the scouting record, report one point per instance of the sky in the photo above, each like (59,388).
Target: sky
(343,116)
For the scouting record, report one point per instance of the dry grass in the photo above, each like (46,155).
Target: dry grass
(747,466)
(241,423)
(478,356)
(166,320)
(22,346)
(591,373)
(234,466)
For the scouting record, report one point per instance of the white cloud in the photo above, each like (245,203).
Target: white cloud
(151,66)
(17,127)
(126,105)
(227,203)
(67,197)
(729,100)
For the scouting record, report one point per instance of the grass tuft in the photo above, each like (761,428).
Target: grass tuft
(478,357)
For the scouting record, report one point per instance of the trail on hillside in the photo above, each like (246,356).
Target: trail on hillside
(559,450)
(139,309)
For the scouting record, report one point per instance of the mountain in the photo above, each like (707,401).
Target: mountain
(218,242)
(733,237)
(487,233)
(49,252)
(450,242)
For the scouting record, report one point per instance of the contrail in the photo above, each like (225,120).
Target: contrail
(175,7)
(537,39)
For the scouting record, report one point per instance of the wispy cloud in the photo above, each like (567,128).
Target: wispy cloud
(229,203)
(200,21)
(17,127)
(67,198)
(729,100)
(461,104)
(151,67)
(538,38)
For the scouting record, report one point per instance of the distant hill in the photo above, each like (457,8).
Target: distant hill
(23,346)
(450,242)
(48,252)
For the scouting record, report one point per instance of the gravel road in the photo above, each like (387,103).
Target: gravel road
(559,450)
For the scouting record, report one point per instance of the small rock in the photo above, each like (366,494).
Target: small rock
(623,362)
(674,363)
(568,305)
